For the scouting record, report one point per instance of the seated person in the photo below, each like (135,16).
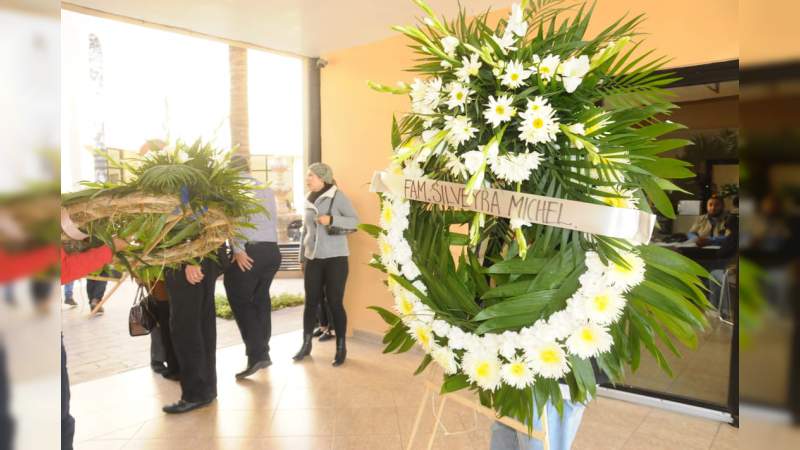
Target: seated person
(709,229)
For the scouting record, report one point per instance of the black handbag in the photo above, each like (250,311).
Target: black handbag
(141,319)
(333,230)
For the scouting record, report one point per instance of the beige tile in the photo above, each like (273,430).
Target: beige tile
(666,430)
(364,396)
(101,444)
(302,422)
(364,421)
(297,443)
(372,441)
(608,424)
(166,444)
(727,438)
(198,424)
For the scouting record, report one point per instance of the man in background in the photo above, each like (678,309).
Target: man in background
(709,229)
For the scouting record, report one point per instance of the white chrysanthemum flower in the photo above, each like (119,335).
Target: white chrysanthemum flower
(514,75)
(449,45)
(422,333)
(456,338)
(625,278)
(433,92)
(602,304)
(548,66)
(413,170)
(404,303)
(420,286)
(469,68)
(505,42)
(577,128)
(516,22)
(473,160)
(589,340)
(458,95)
(441,328)
(548,360)
(508,345)
(482,368)
(518,373)
(402,252)
(539,122)
(515,168)
(392,268)
(594,264)
(410,270)
(455,166)
(446,359)
(572,72)
(622,198)
(459,129)
(394,215)
(561,324)
(499,110)
(386,249)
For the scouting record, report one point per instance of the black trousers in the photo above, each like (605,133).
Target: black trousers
(95,289)
(324,312)
(67,421)
(193,328)
(326,277)
(248,295)
(161,348)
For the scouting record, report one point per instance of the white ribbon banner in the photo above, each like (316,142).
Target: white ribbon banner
(631,224)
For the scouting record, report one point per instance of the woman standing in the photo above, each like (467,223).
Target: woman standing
(329,218)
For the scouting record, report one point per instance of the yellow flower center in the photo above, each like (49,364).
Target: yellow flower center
(406,307)
(423,338)
(622,269)
(587,335)
(499,109)
(535,107)
(517,369)
(617,202)
(387,214)
(538,123)
(386,248)
(601,302)
(514,76)
(549,356)
(459,95)
(544,69)
(483,369)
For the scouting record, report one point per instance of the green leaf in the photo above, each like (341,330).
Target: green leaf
(531,303)
(423,365)
(372,230)
(387,316)
(454,383)
(673,260)
(530,265)
(584,375)
(658,197)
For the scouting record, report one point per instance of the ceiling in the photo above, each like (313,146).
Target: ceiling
(302,27)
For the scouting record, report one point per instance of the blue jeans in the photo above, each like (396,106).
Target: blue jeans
(68,290)
(561,430)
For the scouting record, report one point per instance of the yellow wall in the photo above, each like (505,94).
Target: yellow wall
(356,122)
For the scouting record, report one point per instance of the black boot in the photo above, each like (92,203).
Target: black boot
(305,350)
(341,352)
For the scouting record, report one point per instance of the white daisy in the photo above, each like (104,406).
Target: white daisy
(548,360)
(514,75)
(410,270)
(455,166)
(421,332)
(518,373)
(602,304)
(483,369)
(404,303)
(469,67)
(515,168)
(473,160)
(539,123)
(508,346)
(561,324)
(456,338)
(622,198)
(459,129)
(499,110)
(589,340)
(548,66)
(572,72)
(625,278)
(458,95)
(446,359)
(441,328)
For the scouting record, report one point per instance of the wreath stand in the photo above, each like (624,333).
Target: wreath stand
(432,389)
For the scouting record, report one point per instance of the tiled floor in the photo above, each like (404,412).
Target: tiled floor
(369,403)
(100,346)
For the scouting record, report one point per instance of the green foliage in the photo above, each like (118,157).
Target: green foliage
(280,301)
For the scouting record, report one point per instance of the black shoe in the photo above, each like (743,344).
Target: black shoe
(253,368)
(341,352)
(70,301)
(182,406)
(305,350)
(159,367)
(326,336)
(173,376)
(318,332)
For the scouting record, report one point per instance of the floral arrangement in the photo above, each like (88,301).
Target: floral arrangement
(181,203)
(506,307)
